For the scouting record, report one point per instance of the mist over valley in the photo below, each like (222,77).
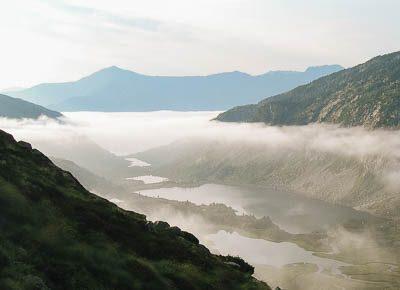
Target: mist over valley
(200,145)
(253,171)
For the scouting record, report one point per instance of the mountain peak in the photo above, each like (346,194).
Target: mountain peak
(231,73)
(317,71)
(110,73)
(113,69)
(324,68)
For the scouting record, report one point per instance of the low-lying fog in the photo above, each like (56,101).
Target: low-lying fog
(127,133)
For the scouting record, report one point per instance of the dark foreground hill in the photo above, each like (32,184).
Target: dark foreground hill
(54,234)
(366,95)
(18,109)
(115,89)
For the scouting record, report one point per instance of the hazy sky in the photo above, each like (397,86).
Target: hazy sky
(56,40)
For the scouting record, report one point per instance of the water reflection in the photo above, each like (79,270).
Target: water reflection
(262,252)
(292,212)
(148,179)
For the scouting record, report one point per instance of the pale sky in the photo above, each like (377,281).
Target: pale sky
(60,40)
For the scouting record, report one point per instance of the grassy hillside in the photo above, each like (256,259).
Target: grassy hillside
(54,234)
(18,109)
(367,95)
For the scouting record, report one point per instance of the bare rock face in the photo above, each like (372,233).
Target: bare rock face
(25,145)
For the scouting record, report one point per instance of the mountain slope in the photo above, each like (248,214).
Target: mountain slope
(115,89)
(87,154)
(328,176)
(367,95)
(91,181)
(56,235)
(17,109)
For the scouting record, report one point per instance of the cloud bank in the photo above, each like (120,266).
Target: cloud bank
(126,133)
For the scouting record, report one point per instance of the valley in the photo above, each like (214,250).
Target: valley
(332,241)
(312,237)
(200,145)
(333,236)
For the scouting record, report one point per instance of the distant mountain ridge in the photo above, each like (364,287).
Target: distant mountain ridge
(18,109)
(116,89)
(365,95)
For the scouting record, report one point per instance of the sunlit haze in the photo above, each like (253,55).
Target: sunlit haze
(56,40)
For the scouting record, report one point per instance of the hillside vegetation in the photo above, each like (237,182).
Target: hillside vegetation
(365,95)
(54,234)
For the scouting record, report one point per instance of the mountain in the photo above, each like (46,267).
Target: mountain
(54,234)
(115,89)
(91,181)
(17,109)
(87,154)
(365,95)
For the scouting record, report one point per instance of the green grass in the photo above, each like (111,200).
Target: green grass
(56,235)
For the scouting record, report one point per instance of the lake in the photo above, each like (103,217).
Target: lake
(292,212)
(148,179)
(262,252)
